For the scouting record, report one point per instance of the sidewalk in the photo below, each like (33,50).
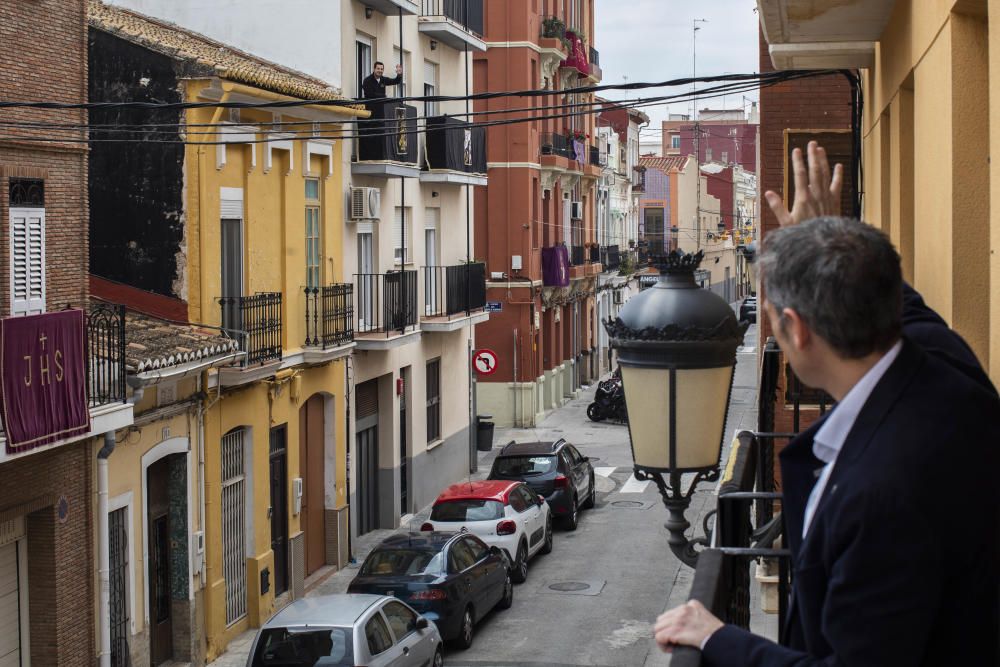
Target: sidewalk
(337,582)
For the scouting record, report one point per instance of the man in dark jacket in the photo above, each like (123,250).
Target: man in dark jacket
(889,566)
(373,86)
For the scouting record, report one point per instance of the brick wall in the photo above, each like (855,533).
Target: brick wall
(43,56)
(60,552)
(818,103)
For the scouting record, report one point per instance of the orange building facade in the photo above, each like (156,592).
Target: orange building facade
(542,192)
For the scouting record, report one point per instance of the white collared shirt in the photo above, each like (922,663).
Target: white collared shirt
(830,437)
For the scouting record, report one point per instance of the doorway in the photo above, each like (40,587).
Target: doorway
(404,455)
(161,646)
(279,506)
(312,462)
(366,427)
(232,273)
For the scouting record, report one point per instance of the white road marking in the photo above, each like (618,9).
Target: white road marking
(633,485)
(604,471)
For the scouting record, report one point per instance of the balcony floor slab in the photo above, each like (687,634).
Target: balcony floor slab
(450,33)
(235,377)
(378,341)
(385,169)
(455,323)
(452,177)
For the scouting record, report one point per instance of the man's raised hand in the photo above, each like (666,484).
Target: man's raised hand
(817,192)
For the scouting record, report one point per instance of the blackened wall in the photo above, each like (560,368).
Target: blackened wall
(136,187)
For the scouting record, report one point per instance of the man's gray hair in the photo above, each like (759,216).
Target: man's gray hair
(842,277)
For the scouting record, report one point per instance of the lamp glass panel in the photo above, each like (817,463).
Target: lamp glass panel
(702,396)
(647,396)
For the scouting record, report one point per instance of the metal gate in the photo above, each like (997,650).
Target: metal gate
(366,429)
(278,467)
(234,569)
(118,576)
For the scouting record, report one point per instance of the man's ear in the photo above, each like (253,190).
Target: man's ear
(796,329)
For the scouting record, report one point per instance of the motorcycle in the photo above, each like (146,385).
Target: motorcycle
(609,400)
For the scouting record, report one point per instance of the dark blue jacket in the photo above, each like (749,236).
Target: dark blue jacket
(900,564)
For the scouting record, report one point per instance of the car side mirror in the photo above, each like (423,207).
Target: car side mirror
(585,458)
(422,623)
(496,551)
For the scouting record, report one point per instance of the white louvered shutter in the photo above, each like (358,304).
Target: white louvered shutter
(27,261)
(397,236)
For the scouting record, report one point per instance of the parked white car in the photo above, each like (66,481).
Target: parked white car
(502,513)
(347,630)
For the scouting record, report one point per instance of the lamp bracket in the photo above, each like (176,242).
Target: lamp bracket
(677,501)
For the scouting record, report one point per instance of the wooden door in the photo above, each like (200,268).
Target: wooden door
(312,462)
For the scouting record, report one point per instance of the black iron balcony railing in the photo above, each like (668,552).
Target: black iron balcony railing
(385,302)
(105,345)
(610,258)
(577,255)
(466,13)
(450,290)
(639,179)
(256,322)
(594,256)
(557,144)
(595,56)
(389,135)
(329,315)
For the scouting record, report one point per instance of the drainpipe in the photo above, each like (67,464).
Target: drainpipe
(103,553)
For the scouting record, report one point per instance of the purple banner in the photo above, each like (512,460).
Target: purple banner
(580,150)
(44,379)
(555,266)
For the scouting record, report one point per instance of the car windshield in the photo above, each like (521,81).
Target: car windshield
(399,562)
(467,510)
(290,647)
(524,466)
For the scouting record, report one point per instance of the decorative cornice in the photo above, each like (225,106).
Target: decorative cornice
(726,330)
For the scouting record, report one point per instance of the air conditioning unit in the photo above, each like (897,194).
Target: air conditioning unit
(365,203)
(576,210)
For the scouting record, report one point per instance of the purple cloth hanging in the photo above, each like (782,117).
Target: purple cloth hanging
(555,266)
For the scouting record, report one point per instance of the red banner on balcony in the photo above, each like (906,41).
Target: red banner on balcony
(44,379)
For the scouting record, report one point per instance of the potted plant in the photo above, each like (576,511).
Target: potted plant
(553,27)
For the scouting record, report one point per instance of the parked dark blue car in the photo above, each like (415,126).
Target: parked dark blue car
(453,579)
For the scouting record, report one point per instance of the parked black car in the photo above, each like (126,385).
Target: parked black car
(748,310)
(554,470)
(453,579)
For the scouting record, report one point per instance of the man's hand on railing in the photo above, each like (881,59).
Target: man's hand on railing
(688,625)
(816,193)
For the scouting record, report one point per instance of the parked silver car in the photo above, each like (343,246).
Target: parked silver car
(347,630)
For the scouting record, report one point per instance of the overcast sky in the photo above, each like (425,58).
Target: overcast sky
(650,40)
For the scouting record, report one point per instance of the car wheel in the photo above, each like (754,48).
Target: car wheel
(520,571)
(547,545)
(592,497)
(508,593)
(595,413)
(439,658)
(467,630)
(571,520)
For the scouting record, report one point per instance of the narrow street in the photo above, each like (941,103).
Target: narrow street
(593,600)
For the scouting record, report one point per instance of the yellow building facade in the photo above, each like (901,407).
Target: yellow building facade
(247,435)
(931,117)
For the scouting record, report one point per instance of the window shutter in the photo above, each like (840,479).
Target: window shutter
(431,216)
(231,203)
(27,261)
(397,236)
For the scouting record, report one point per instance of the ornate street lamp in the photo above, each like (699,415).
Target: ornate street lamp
(676,345)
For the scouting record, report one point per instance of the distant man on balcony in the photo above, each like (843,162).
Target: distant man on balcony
(373,86)
(892,564)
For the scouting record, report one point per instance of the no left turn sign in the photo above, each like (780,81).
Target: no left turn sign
(485,361)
